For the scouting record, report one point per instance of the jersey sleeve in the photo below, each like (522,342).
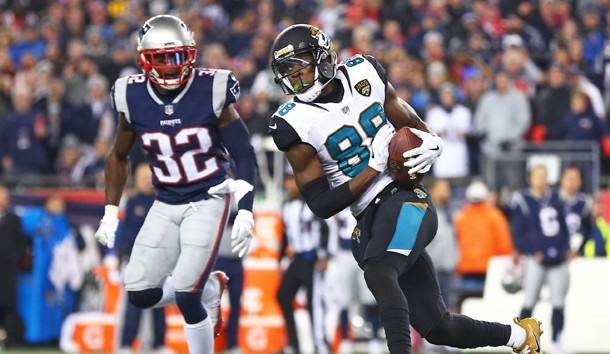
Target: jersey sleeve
(284,135)
(118,96)
(225,90)
(379,68)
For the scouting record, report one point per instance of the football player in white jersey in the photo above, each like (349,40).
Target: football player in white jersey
(187,122)
(335,134)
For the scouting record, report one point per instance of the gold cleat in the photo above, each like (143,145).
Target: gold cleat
(532,335)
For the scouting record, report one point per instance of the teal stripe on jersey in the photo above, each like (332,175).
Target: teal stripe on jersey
(407,227)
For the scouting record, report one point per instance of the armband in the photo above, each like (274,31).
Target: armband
(324,201)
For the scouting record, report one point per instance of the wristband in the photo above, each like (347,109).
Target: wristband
(111,211)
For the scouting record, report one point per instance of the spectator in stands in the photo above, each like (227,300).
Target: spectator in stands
(121,62)
(95,46)
(541,236)
(533,42)
(362,42)
(13,244)
(482,232)
(30,43)
(577,208)
(551,105)
(593,37)
(135,212)
(329,13)
(522,71)
(599,243)
(255,120)
(451,121)
(581,123)
(474,86)
(122,28)
(89,170)
(296,11)
(96,118)
(444,248)
(576,56)
(478,46)
(97,13)
(23,137)
(578,82)
(102,117)
(502,117)
(71,151)
(76,71)
(436,75)
(57,111)
(568,32)
(239,36)
(602,69)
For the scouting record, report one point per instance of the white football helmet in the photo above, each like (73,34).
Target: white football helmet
(512,279)
(166,51)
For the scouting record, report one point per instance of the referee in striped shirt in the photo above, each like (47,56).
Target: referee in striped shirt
(307,236)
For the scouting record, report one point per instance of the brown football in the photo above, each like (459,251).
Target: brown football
(402,141)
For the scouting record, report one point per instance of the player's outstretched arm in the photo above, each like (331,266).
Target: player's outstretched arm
(116,174)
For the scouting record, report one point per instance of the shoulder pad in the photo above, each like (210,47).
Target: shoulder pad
(283,133)
(119,93)
(225,88)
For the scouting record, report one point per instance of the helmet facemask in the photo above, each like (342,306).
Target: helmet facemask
(168,67)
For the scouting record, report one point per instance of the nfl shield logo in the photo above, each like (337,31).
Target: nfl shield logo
(169,109)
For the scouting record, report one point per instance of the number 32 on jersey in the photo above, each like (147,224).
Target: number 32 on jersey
(187,160)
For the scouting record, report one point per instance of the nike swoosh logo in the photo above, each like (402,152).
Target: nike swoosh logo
(274,126)
(436,148)
(537,350)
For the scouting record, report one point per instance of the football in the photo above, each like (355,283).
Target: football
(402,141)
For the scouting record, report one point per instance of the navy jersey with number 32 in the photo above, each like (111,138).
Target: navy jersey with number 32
(180,132)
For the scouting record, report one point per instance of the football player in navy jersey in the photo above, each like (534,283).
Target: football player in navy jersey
(541,235)
(577,209)
(186,121)
(335,134)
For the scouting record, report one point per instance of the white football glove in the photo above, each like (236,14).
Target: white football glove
(379,148)
(241,236)
(431,147)
(106,233)
(239,188)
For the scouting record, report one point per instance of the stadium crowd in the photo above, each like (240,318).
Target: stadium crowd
(487,75)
